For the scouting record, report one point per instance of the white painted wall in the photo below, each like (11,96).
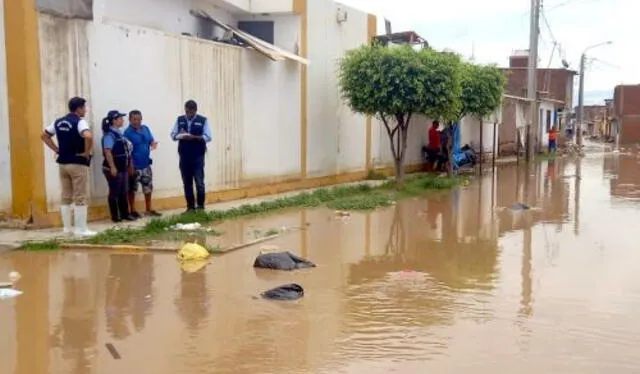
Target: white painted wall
(271,6)
(381,148)
(470,133)
(544,106)
(171,16)
(336,136)
(253,103)
(5,152)
(271,102)
(156,79)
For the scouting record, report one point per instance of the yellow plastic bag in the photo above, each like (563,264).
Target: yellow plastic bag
(193,266)
(192,251)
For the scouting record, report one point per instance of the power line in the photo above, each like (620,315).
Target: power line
(593,59)
(556,43)
(569,2)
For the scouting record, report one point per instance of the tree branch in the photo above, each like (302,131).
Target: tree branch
(391,135)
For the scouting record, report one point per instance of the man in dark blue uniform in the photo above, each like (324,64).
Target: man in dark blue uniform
(75,143)
(192,132)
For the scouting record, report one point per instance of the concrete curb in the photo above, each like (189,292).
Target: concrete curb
(8,247)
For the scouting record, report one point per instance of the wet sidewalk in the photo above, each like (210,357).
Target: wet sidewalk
(12,238)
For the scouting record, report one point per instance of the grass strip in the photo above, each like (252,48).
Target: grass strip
(358,197)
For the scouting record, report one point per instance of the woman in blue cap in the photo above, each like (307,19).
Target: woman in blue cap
(116,165)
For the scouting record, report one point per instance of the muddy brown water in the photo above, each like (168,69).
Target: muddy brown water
(447,284)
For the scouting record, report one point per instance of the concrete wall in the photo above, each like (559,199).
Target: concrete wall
(627,112)
(171,16)
(132,56)
(470,133)
(381,148)
(336,136)
(271,102)
(223,79)
(252,102)
(5,155)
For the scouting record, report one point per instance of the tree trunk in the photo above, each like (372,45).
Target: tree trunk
(481,145)
(398,142)
(399,174)
(449,130)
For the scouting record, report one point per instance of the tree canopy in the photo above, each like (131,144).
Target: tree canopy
(376,80)
(394,83)
(482,89)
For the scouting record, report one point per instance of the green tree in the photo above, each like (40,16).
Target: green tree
(482,90)
(395,84)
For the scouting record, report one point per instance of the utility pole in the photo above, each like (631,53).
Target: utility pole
(580,114)
(532,78)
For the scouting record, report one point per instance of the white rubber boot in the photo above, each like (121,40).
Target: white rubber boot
(65,213)
(81,229)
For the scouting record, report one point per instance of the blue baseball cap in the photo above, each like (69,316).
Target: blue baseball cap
(115,114)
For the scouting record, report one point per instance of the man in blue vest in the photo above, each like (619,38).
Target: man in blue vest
(73,151)
(192,132)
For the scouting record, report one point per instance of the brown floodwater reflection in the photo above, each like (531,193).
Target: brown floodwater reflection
(454,283)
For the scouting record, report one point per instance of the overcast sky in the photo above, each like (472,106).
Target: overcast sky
(494,28)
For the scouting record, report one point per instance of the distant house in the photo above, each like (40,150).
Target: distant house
(626,112)
(554,95)
(594,118)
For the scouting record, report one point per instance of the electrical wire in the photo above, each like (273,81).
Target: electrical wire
(570,2)
(556,43)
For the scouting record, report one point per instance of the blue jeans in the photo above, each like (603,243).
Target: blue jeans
(552,146)
(192,171)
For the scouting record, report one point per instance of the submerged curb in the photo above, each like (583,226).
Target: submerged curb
(139,248)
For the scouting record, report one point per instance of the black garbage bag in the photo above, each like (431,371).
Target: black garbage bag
(519,207)
(287,292)
(281,261)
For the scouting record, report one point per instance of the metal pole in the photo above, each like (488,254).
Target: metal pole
(534,32)
(579,115)
(495,147)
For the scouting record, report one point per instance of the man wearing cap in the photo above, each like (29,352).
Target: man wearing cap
(73,151)
(192,132)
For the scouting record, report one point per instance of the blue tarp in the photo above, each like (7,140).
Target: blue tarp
(459,157)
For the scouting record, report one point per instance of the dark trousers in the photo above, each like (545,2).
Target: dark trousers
(552,146)
(118,195)
(192,171)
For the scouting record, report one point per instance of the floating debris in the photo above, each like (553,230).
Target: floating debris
(9,293)
(192,251)
(113,351)
(14,276)
(186,226)
(287,292)
(520,207)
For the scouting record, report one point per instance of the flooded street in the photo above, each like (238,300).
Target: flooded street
(454,283)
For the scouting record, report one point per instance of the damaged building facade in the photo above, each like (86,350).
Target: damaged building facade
(263,71)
